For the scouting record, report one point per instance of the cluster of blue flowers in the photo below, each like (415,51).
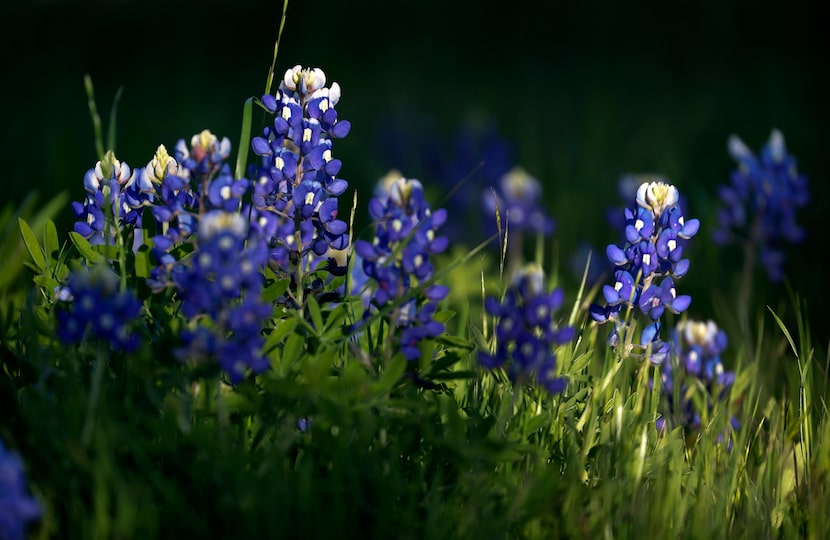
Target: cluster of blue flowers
(220,287)
(398,260)
(182,188)
(526,331)
(91,305)
(761,201)
(295,194)
(113,197)
(696,365)
(17,506)
(218,283)
(647,265)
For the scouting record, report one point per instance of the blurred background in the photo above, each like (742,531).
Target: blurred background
(582,92)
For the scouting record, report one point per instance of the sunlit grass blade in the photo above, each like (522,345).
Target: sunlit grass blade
(96,118)
(244,139)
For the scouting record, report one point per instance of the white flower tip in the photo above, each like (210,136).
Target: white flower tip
(657,196)
(216,221)
(316,79)
(776,146)
(291,77)
(334,93)
(520,185)
(737,149)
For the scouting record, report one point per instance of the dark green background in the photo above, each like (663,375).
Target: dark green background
(586,91)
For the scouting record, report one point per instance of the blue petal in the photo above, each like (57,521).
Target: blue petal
(270,102)
(611,295)
(690,228)
(341,129)
(337,186)
(261,146)
(681,303)
(681,268)
(649,333)
(615,255)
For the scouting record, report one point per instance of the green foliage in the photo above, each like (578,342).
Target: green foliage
(343,437)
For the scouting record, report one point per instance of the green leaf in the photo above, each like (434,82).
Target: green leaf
(275,290)
(392,374)
(50,239)
(32,245)
(316,314)
(444,362)
(85,249)
(143,262)
(480,342)
(47,282)
(443,316)
(785,331)
(536,423)
(109,251)
(454,341)
(450,375)
(278,333)
(334,326)
(244,139)
(293,348)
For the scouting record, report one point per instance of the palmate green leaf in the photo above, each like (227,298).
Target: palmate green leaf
(85,248)
(32,245)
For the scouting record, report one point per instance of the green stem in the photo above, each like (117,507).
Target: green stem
(94,393)
(745,286)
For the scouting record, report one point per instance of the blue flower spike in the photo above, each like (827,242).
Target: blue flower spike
(527,333)
(647,265)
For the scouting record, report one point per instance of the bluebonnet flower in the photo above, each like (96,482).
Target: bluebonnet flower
(527,332)
(103,185)
(17,506)
(518,198)
(761,201)
(695,366)
(296,187)
(195,182)
(647,265)
(398,259)
(205,157)
(219,285)
(91,305)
